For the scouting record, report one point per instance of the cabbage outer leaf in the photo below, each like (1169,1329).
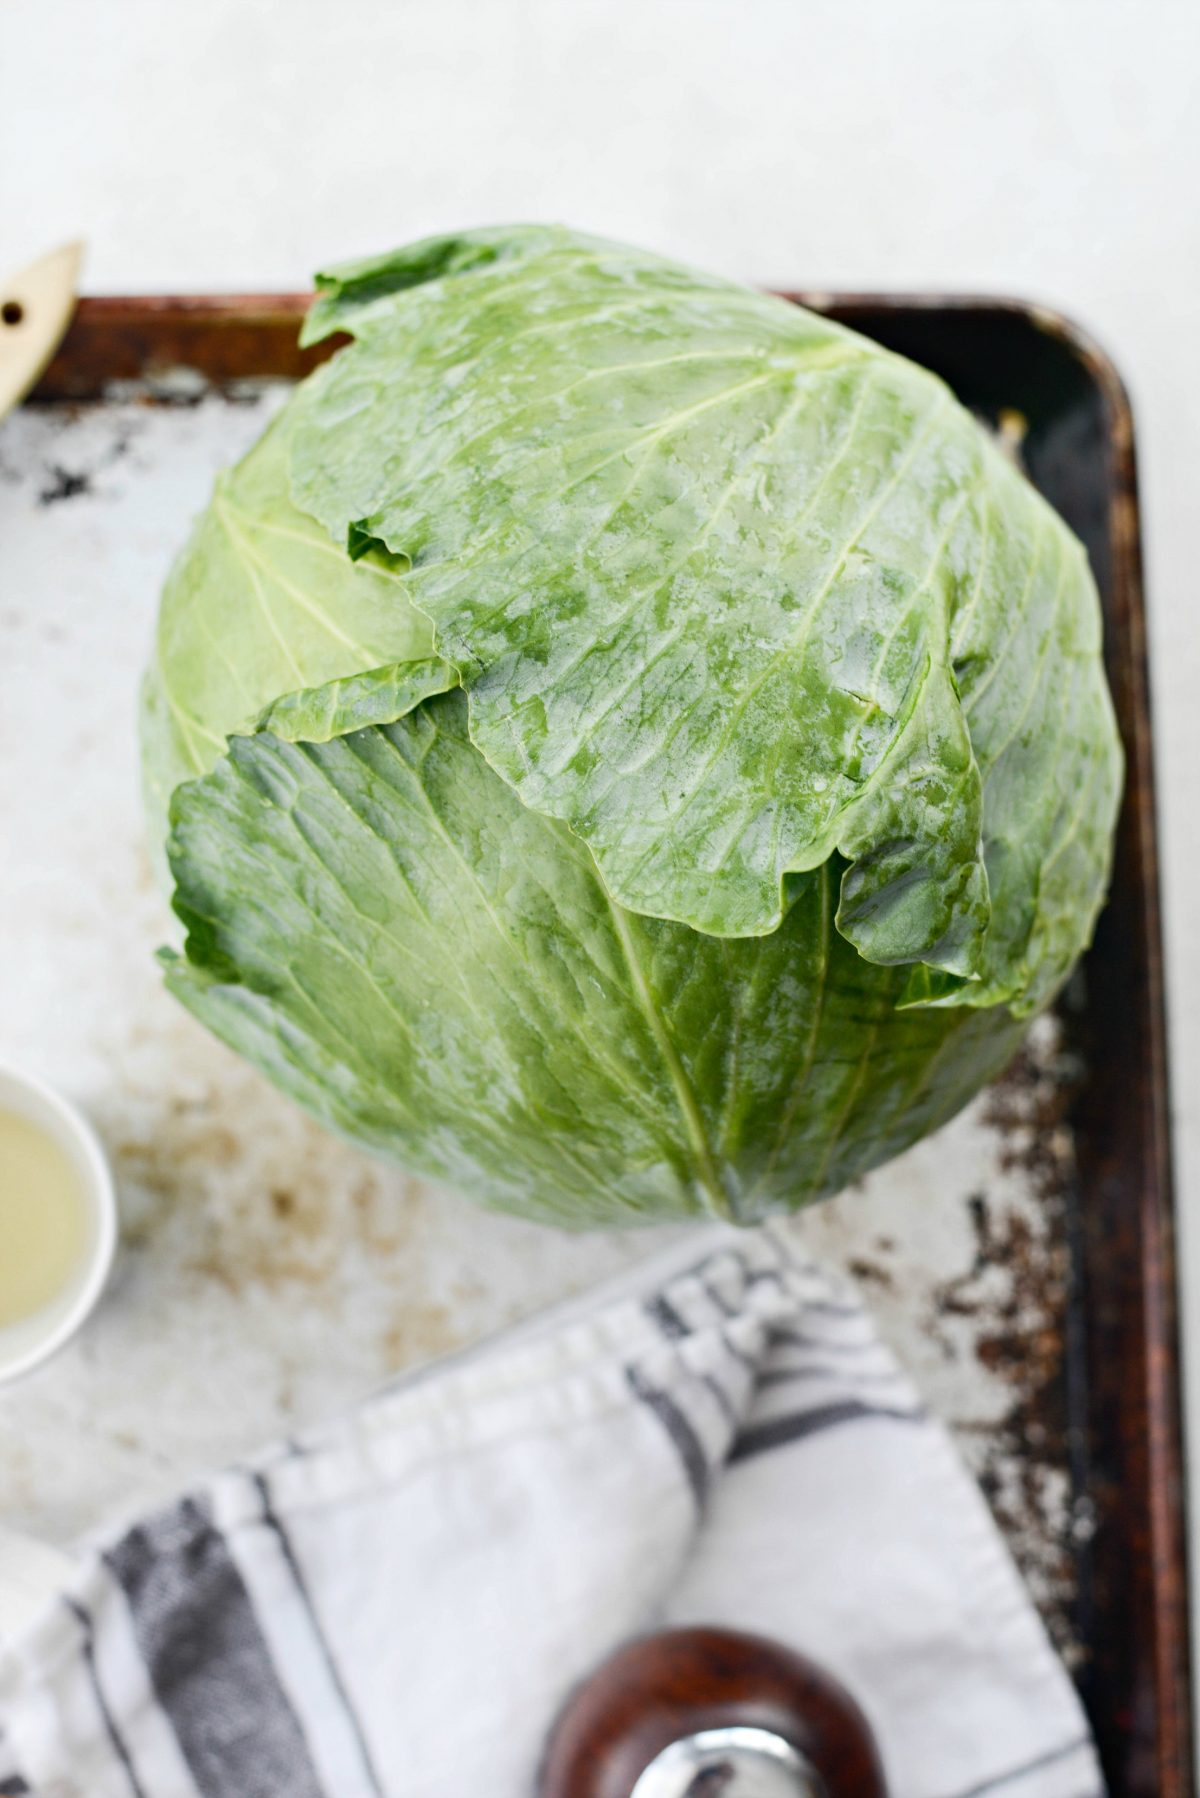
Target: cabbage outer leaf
(259,605)
(318,714)
(439,971)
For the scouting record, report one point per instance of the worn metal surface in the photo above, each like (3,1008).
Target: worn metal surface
(1020,1261)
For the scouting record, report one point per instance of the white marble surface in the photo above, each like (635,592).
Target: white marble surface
(1043,147)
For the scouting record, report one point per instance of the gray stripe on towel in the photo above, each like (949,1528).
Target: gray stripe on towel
(723,1401)
(208,1660)
(817,1370)
(683,1437)
(274,1523)
(662,1312)
(776,1432)
(115,1739)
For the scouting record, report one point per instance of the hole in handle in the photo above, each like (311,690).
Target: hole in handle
(12,312)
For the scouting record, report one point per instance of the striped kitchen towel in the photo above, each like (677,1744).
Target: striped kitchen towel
(399,1604)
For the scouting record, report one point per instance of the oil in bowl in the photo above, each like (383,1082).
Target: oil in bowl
(57,1222)
(46,1225)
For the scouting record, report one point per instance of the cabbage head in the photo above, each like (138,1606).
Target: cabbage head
(624,744)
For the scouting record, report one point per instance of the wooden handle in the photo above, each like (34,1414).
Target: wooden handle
(35,309)
(662,1689)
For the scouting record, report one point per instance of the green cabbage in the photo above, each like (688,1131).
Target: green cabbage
(622,743)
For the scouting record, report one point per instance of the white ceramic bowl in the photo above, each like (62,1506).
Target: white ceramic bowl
(27,1343)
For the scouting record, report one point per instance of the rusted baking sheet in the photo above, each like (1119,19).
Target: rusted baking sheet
(1121,1360)
(1023,1262)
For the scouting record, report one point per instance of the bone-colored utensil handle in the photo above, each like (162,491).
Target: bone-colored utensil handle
(35,310)
(696,1711)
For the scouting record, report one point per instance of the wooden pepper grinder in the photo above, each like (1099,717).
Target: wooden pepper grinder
(708,1713)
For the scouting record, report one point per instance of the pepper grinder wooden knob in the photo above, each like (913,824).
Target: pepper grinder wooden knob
(709,1713)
